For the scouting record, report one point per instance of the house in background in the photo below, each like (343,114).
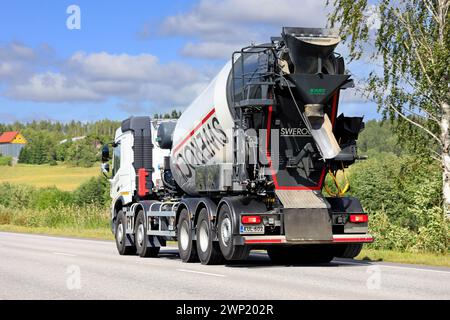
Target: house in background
(11,143)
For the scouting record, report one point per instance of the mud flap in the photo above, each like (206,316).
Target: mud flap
(307,225)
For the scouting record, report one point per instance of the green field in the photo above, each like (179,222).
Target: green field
(61,176)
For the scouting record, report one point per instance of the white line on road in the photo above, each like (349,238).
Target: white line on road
(64,254)
(393,267)
(204,273)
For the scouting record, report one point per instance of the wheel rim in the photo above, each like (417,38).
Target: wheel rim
(203,237)
(140,234)
(225,231)
(120,232)
(184,236)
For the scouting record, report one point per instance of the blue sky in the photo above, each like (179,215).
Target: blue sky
(134,57)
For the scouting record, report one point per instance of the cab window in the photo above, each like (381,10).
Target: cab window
(116,160)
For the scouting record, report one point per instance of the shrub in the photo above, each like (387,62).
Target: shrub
(403,197)
(82,153)
(51,198)
(94,191)
(5,161)
(16,196)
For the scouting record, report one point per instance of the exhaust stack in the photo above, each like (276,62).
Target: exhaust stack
(315,80)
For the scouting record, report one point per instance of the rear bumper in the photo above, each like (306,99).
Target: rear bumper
(337,238)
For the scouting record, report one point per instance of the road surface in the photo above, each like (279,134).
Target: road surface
(44,267)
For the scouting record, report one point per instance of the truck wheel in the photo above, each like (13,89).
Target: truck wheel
(348,251)
(121,236)
(141,238)
(225,230)
(186,246)
(208,250)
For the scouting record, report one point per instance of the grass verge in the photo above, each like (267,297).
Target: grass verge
(430,259)
(98,233)
(367,254)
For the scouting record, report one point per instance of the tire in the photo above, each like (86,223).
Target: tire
(208,250)
(186,245)
(120,235)
(225,234)
(348,251)
(141,238)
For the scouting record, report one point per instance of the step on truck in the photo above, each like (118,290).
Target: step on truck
(244,166)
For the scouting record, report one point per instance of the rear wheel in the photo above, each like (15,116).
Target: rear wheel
(121,236)
(141,238)
(208,250)
(229,250)
(186,245)
(349,251)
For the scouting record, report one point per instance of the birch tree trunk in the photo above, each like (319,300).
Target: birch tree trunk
(445,137)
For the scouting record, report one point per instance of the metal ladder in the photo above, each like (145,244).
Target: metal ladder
(260,79)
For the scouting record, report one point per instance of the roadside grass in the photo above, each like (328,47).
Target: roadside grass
(86,222)
(429,259)
(63,177)
(96,233)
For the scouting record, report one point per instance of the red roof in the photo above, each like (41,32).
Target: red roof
(7,137)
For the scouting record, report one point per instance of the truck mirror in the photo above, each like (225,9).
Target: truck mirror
(105,154)
(105,168)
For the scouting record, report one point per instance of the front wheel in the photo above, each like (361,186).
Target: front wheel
(208,250)
(121,235)
(141,238)
(225,228)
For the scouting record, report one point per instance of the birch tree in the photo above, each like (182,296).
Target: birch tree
(412,45)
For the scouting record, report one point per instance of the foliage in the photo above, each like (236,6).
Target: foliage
(87,217)
(174,114)
(51,198)
(40,149)
(5,161)
(94,191)
(402,196)
(49,142)
(83,153)
(377,136)
(413,44)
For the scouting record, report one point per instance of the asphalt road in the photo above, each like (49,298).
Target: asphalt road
(42,267)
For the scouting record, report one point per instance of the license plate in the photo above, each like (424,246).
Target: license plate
(252,229)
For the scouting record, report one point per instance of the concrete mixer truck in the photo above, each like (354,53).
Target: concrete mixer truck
(244,166)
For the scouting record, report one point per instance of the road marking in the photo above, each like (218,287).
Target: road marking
(392,267)
(64,254)
(204,273)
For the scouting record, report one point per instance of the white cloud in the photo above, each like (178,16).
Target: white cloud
(209,50)
(222,26)
(52,87)
(98,77)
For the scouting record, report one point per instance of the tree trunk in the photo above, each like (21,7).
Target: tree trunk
(445,138)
